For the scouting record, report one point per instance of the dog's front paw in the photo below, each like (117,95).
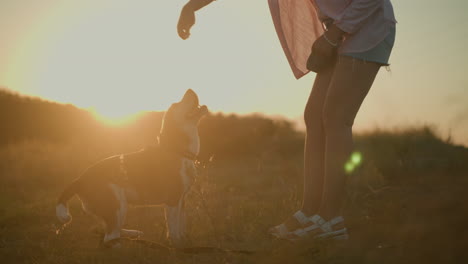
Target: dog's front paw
(131,233)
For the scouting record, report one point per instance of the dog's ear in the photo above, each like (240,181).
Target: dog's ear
(190,97)
(203,110)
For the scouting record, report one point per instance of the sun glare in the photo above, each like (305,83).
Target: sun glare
(125,58)
(113,119)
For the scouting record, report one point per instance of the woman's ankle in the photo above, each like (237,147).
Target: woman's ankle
(328,215)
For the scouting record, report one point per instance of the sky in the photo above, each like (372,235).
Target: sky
(118,57)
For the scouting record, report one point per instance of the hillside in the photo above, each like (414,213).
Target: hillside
(406,201)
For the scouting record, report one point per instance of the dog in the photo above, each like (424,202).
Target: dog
(159,175)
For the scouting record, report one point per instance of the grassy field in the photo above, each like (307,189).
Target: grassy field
(406,204)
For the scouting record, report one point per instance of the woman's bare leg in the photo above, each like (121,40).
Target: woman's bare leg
(351,81)
(314,146)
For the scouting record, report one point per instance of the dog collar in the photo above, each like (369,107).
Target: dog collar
(184,153)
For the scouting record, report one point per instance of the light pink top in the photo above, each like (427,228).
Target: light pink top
(298,24)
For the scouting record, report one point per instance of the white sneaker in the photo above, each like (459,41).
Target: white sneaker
(333,229)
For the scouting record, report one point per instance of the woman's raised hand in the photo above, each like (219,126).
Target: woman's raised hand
(186,21)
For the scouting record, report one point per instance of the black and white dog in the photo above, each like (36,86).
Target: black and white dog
(160,175)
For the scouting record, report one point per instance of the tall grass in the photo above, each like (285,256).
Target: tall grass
(405,201)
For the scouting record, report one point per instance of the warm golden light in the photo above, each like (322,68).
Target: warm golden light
(128,58)
(127,55)
(113,119)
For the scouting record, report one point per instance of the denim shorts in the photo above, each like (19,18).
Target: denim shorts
(380,53)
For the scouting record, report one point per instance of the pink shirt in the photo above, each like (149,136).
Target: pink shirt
(298,24)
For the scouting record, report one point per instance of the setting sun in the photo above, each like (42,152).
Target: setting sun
(95,59)
(113,117)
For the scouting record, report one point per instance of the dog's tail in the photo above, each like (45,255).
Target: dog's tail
(61,210)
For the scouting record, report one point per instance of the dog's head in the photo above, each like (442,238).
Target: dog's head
(187,111)
(180,124)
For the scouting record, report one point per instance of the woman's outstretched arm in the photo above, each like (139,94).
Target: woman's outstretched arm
(187,16)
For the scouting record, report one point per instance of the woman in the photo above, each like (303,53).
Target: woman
(362,33)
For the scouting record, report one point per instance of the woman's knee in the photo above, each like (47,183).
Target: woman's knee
(312,117)
(335,119)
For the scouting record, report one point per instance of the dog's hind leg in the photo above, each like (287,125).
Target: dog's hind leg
(115,219)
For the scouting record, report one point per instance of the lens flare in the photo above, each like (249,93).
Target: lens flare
(349,167)
(354,161)
(356,158)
